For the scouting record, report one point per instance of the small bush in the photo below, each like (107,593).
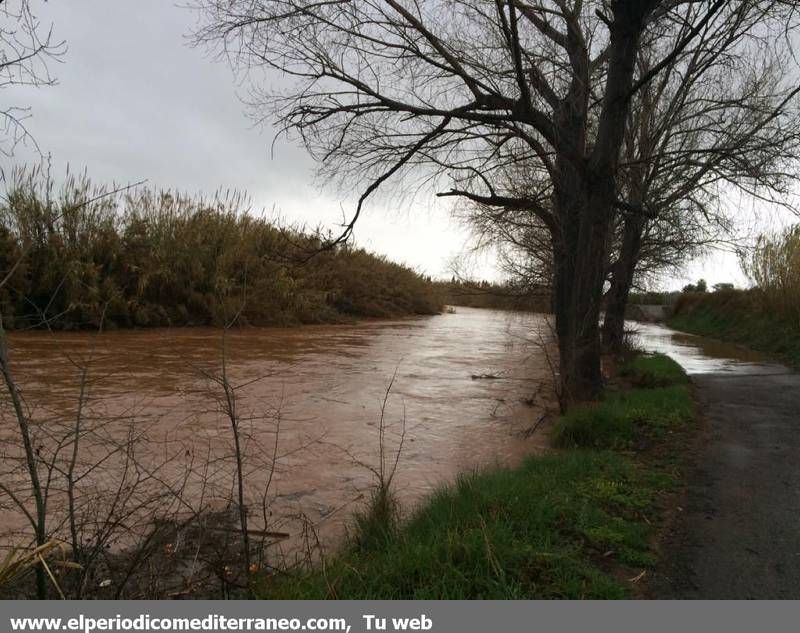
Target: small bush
(377,524)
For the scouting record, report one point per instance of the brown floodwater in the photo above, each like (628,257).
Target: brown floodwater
(700,355)
(469,390)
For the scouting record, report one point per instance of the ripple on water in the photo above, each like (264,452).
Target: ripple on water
(327,382)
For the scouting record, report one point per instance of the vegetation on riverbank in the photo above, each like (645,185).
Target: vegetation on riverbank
(154,258)
(576,523)
(766,317)
(740,316)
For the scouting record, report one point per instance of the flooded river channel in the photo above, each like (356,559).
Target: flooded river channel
(469,389)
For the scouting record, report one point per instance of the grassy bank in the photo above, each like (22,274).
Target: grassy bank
(140,258)
(745,317)
(576,523)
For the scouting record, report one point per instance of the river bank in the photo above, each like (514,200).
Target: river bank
(741,317)
(580,522)
(92,258)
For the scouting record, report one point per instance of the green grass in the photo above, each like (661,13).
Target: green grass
(625,419)
(629,418)
(571,524)
(537,530)
(739,317)
(653,370)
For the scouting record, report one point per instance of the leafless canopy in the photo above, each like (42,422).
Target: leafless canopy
(461,89)
(26,48)
(466,86)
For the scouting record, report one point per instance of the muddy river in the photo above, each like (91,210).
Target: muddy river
(469,390)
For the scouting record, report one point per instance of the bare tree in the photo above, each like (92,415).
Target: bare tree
(714,123)
(26,48)
(711,126)
(37,518)
(460,88)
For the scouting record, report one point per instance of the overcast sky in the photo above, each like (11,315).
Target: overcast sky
(135,102)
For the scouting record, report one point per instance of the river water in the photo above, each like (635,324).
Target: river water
(455,392)
(469,390)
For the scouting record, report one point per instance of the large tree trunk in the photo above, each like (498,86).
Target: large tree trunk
(579,253)
(584,199)
(621,282)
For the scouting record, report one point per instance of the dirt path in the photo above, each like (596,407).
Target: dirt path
(739,533)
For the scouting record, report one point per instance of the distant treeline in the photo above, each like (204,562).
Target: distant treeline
(497,296)
(76,255)
(670,298)
(653,298)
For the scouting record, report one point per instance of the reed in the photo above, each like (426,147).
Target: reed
(146,257)
(774,267)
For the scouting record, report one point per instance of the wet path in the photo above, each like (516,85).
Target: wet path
(739,534)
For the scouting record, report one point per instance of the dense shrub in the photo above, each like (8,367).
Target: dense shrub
(653,298)
(154,258)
